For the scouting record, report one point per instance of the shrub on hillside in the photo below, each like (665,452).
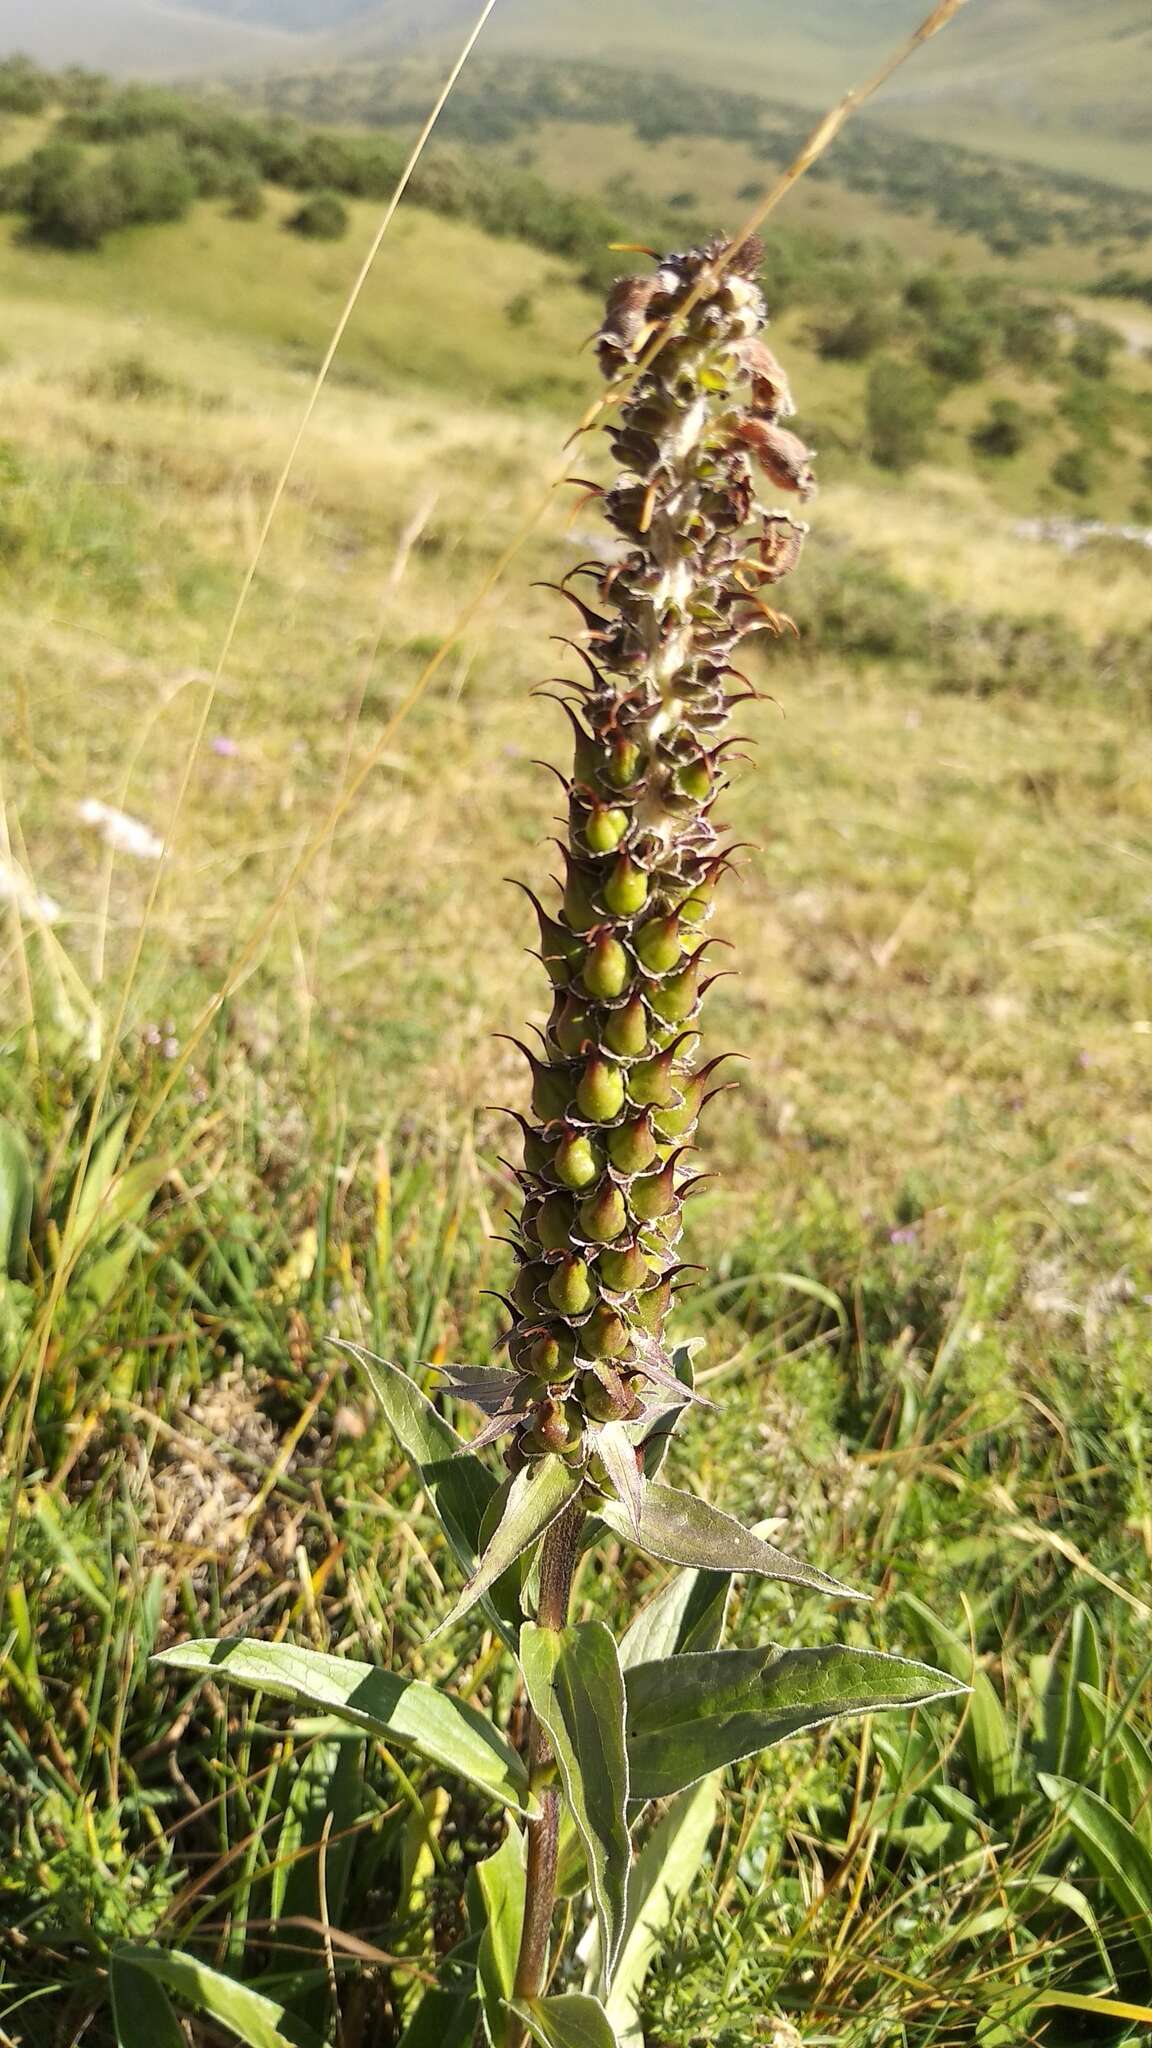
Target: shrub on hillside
(1030,336)
(67,199)
(858,335)
(246,196)
(900,410)
(959,351)
(1093,347)
(153,178)
(1074,471)
(1004,429)
(323,217)
(24,88)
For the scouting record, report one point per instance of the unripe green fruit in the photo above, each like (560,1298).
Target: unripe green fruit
(654,1195)
(695,907)
(553,1357)
(536,1152)
(623,764)
(605,828)
(607,969)
(651,1307)
(605,1334)
(626,890)
(579,908)
(570,1286)
(572,1025)
(674,1122)
(676,999)
(559,1425)
(528,1281)
(577,1162)
(694,779)
(551,1091)
(631,1146)
(603,1216)
(658,944)
(654,1081)
(553,1222)
(601,1403)
(623,1271)
(626,1031)
(600,1093)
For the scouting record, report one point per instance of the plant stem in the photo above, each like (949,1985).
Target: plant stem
(557,1566)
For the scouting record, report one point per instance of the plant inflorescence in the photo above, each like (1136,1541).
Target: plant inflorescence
(623,1741)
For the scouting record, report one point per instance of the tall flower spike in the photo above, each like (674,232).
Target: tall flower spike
(618,1093)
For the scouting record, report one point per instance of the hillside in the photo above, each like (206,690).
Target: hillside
(1048,81)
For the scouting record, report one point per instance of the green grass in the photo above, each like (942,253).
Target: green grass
(927,1321)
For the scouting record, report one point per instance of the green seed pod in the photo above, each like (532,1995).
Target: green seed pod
(654,1194)
(607,969)
(695,908)
(577,1162)
(572,1025)
(603,1216)
(553,1222)
(605,1404)
(651,1307)
(605,827)
(658,944)
(529,1280)
(654,1081)
(625,1270)
(553,1356)
(551,1091)
(676,999)
(558,1425)
(623,764)
(694,779)
(626,1031)
(674,1122)
(626,890)
(631,1146)
(570,1286)
(579,908)
(605,1334)
(600,1093)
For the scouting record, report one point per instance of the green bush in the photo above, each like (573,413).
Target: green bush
(1093,347)
(857,335)
(1004,429)
(246,197)
(153,178)
(900,410)
(1074,471)
(323,217)
(959,351)
(24,88)
(68,200)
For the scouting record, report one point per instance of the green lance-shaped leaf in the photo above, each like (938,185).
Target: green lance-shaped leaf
(574,1681)
(985,1735)
(16,1193)
(1127,1761)
(254,2019)
(569,2021)
(459,1485)
(501,1884)
(399,1710)
(1067,1740)
(690,1715)
(141,2013)
(1115,1851)
(536,1497)
(658,1880)
(681,1529)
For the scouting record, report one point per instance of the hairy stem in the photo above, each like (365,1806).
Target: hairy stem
(557,1566)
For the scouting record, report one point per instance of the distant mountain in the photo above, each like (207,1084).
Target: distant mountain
(144,38)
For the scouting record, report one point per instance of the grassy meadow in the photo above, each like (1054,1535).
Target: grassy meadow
(254,1082)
